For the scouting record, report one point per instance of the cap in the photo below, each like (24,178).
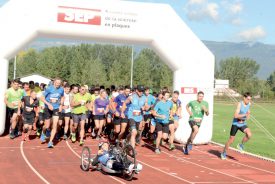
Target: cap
(140,88)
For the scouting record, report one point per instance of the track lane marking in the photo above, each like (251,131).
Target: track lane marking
(29,164)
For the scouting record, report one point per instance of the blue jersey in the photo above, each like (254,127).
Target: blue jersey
(150,99)
(243,110)
(163,108)
(104,158)
(119,100)
(135,108)
(53,96)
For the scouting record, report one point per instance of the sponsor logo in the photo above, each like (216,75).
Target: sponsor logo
(79,15)
(189,90)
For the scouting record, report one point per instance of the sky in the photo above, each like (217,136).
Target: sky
(225,20)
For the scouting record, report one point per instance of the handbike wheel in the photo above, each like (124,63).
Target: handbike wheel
(85,158)
(129,158)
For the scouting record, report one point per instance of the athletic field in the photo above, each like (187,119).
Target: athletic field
(260,144)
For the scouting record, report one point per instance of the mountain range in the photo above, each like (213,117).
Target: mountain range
(263,54)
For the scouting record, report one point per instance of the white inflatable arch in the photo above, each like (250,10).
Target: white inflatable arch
(156,25)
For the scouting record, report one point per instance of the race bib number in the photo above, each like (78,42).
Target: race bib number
(83,102)
(53,100)
(15,103)
(100,110)
(197,119)
(136,112)
(29,109)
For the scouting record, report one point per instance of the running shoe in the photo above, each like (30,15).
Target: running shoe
(189,147)
(73,137)
(43,138)
(38,133)
(130,168)
(138,168)
(93,133)
(223,155)
(19,133)
(81,142)
(185,150)
(240,147)
(50,145)
(23,137)
(65,137)
(48,133)
(157,151)
(57,136)
(172,147)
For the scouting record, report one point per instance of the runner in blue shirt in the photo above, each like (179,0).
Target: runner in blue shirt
(53,98)
(147,114)
(162,113)
(242,114)
(137,103)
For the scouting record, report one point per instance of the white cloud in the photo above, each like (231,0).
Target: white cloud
(201,10)
(211,10)
(237,21)
(252,34)
(236,8)
(196,1)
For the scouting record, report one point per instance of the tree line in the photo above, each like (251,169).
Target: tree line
(97,64)
(241,73)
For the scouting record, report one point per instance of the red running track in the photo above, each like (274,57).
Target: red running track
(32,162)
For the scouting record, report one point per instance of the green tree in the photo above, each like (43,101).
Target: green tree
(238,70)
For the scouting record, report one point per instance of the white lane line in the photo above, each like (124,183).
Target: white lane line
(32,168)
(219,182)
(235,162)
(165,172)
(33,147)
(236,177)
(80,158)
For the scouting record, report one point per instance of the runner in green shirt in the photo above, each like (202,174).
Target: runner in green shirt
(12,100)
(80,104)
(198,108)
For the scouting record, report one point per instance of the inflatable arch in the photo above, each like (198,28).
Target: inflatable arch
(156,25)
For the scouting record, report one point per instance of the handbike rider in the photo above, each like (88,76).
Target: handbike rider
(105,157)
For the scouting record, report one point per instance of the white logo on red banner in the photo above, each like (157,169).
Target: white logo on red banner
(79,15)
(189,90)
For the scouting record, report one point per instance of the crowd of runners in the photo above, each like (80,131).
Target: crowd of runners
(76,112)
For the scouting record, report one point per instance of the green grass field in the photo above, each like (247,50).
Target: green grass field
(259,144)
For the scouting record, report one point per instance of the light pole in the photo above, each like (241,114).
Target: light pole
(14,68)
(132,66)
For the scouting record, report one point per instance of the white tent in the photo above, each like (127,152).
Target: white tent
(156,25)
(36,78)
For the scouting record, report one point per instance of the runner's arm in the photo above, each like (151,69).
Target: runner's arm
(74,103)
(188,110)
(127,101)
(237,115)
(6,100)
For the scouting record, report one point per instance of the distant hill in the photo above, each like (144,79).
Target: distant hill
(262,53)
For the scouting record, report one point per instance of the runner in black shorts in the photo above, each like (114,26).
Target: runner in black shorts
(162,113)
(196,110)
(242,114)
(120,123)
(29,104)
